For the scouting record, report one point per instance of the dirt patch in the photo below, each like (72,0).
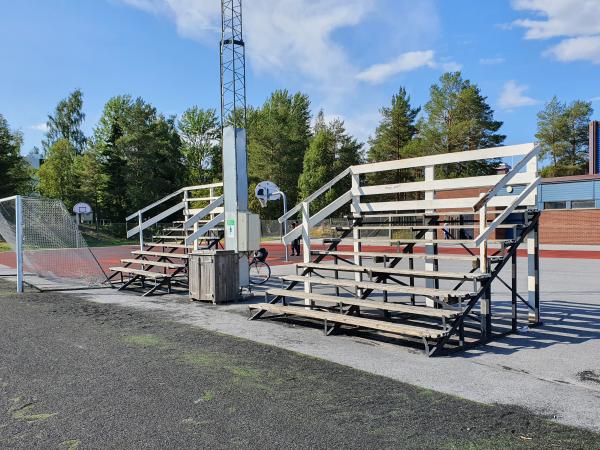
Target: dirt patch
(589,376)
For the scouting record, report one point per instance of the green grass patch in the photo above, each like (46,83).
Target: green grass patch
(145,340)
(4,247)
(24,413)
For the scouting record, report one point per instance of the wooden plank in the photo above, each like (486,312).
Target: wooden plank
(386,306)
(145,273)
(407,330)
(427,292)
(391,255)
(170,236)
(395,271)
(445,158)
(167,245)
(160,254)
(147,262)
(442,185)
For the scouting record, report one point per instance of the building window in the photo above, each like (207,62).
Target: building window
(579,204)
(555,205)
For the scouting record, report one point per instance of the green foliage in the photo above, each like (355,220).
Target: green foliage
(140,154)
(66,123)
(563,135)
(16,173)
(278,136)
(392,137)
(331,151)
(200,134)
(57,175)
(458,118)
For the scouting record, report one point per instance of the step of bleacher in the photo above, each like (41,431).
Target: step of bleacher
(395,242)
(372,324)
(444,294)
(144,273)
(160,254)
(392,255)
(168,245)
(372,304)
(147,262)
(171,236)
(395,271)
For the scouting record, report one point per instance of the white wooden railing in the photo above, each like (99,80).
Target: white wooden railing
(186,197)
(524,174)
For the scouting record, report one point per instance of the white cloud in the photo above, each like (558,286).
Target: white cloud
(287,36)
(576,20)
(43,127)
(451,66)
(559,18)
(406,62)
(595,99)
(491,61)
(513,96)
(586,48)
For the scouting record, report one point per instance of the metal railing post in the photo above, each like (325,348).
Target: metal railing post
(19,241)
(485,303)
(356,244)
(140,222)
(306,244)
(430,249)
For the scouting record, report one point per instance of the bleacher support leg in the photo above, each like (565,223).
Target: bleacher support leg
(533,275)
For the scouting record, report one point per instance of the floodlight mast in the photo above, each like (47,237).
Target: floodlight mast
(233,65)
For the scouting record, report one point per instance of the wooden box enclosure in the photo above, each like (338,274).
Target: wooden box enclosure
(214,276)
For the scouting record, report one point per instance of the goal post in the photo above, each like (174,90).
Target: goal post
(46,246)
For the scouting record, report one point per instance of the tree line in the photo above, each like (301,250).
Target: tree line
(136,155)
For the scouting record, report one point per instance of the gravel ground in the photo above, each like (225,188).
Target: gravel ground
(75,374)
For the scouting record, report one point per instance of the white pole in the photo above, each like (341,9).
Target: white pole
(284,223)
(140,221)
(19,241)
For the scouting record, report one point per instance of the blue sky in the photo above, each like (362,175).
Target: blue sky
(350,56)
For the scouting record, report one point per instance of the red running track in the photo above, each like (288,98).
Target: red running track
(111,256)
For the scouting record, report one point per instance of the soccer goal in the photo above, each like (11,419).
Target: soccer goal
(46,248)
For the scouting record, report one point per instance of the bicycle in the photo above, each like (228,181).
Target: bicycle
(260,272)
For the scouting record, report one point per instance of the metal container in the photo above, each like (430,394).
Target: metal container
(214,276)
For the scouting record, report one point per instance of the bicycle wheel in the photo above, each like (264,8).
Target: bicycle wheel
(260,272)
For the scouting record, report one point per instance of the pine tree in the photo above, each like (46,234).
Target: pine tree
(458,118)
(141,157)
(392,138)
(16,173)
(278,136)
(331,151)
(563,136)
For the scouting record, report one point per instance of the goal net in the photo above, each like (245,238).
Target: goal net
(54,252)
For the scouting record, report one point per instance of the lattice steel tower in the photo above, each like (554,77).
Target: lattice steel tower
(233,65)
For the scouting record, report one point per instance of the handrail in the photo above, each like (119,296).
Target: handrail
(205,228)
(506,179)
(170,196)
(319,216)
(204,212)
(314,195)
(156,219)
(484,234)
